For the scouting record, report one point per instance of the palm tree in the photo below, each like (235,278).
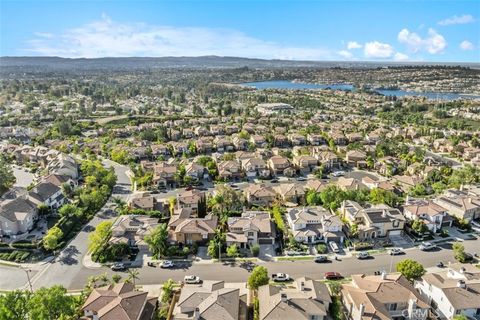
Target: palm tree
(133,275)
(120,204)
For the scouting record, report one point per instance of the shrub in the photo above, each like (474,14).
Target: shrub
(321,248)
(255,250)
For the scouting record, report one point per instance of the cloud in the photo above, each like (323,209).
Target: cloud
(353,45)
(434,42)
(400,56)
(377,49)
(463,19)
(466,45)
(106,37)
(345,54)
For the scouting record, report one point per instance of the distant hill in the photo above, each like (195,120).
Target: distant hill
(210,62)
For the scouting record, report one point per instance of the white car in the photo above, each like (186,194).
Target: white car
(167,264)
(280,277)
(426,246)
(192,279)
(338,174)
(363,255)
(395,251)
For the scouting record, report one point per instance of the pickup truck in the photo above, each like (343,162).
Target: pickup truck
(280,277)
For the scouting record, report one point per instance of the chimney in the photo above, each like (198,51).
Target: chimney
(283,297)
(361,310)
(384,213)
(407,199)
(412,305)
(196,314)
(461,284)
(302,286)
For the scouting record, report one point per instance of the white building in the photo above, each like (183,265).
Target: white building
(453,291)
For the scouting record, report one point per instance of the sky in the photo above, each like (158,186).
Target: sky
(376,30)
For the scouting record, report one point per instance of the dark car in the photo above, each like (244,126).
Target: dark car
(274,180)
(333,276)
(320,259)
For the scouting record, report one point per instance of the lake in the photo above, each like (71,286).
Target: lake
(285,84)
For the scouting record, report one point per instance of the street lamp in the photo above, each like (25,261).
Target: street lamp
(28,277)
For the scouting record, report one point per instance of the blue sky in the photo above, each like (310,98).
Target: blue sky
(422,30)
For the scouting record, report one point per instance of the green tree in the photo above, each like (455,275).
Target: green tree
(52,238)
(258,278)
(69,211)
(98,239)
(53,303)
(14,305)
(7,178)
(232,251)
(460,317)
(157,240)
(410,269)
(459,252)
(167,290)
(133,275)
(419,227)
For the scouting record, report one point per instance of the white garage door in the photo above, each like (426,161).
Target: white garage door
(395,233)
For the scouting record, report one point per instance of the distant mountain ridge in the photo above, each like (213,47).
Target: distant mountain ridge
(210,62)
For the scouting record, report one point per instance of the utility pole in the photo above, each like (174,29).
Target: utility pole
(219,252)
(28,277)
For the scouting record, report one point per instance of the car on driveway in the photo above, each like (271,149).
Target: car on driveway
(333,276)
(395,251)
(167,264)
(320,259)
(301,179)
(192,279)
(427,246)
(118,266)
(363,255)
(338,174)
(280,277)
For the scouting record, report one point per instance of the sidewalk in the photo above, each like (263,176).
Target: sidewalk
(89,263)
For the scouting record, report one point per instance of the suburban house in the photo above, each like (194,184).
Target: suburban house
(189,200)
(383,297)
(347,184)
(259,195)
(195,171)
(229,170)
(187,230)
(314,224)
(164,174)
(254,167)
(452,291)
(17,216)
(64,165)
(274,108)
(433,215)
(305,163)
(252,228)
(407,182)
(291,192)
(304,299)
(212,300)
(278,164)
(131,229)
(327,158)
(460,204)
(120,302)
(356,158)
(373,222)
(48,194)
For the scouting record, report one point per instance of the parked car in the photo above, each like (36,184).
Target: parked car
(118,266)
(333,276)
(363,255)
(280,277)
(427,246)
(301,179)
(274,180)
(167,264)
(192,279)
(320,259)
(338,174)
(334,246)
(395,251)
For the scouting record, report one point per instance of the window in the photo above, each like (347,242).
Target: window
(250,234)
(392,307)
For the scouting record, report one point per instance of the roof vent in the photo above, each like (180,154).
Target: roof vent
(283,297)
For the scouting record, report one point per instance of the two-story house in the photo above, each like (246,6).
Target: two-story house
(252,228)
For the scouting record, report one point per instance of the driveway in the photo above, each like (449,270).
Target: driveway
(401,241)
